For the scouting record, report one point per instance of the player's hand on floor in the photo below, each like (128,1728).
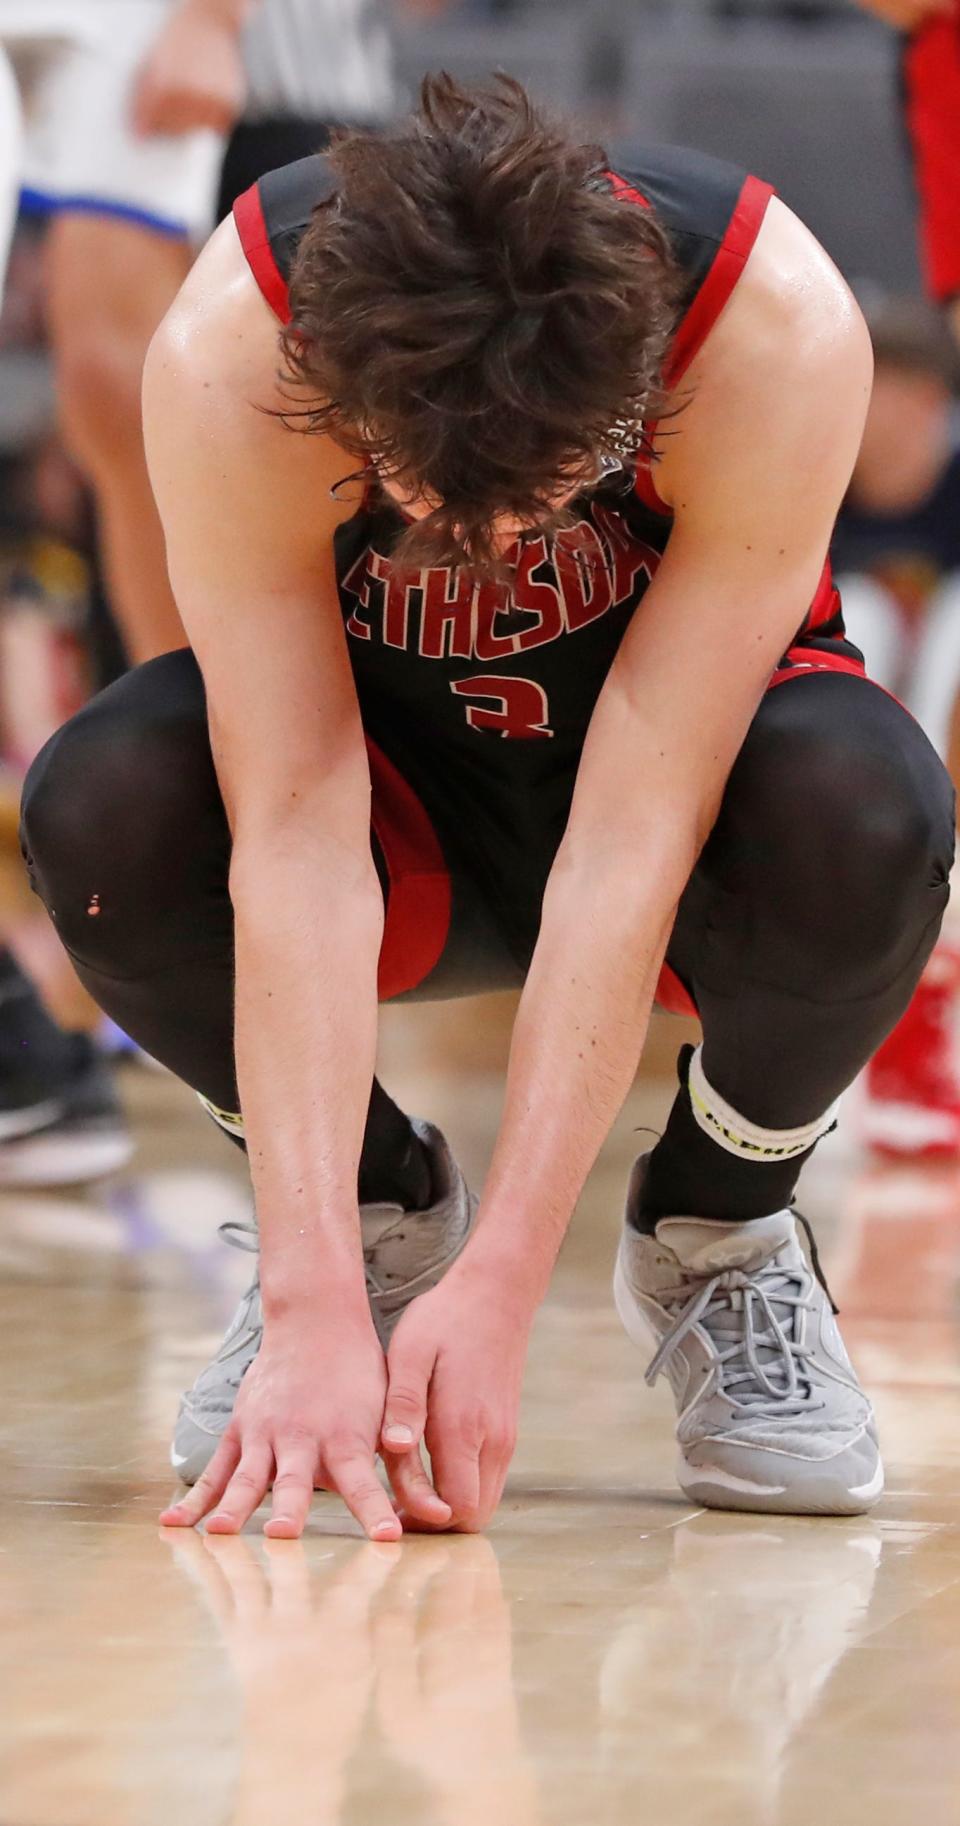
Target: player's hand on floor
(193,77)
(456,1368)
(308,1415)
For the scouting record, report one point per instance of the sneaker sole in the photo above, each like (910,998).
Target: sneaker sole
(714,1488)
(818,1495)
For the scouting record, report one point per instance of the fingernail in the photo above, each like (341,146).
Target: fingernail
(383,1528)
(398,1436)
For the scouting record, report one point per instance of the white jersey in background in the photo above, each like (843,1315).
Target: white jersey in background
(75,64)
(45,18)
(68,72)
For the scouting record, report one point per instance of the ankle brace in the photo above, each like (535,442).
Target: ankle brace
(737,1135)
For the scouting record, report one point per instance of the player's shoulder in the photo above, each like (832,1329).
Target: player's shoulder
(792,301)
(218,334)
(788,354)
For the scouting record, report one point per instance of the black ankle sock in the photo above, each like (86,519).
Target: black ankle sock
(394,1165)
(690,1175)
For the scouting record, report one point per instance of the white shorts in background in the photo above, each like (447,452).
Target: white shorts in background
(76,65)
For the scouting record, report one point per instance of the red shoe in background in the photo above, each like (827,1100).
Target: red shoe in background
(913,1082)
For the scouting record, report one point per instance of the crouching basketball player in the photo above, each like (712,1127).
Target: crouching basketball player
(495,683)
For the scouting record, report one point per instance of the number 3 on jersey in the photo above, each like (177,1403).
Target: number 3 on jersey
(513,707)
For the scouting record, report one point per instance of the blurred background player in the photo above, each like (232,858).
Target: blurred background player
(84,89)
(913,1105)
(897,553)
(114,122)
(931,99)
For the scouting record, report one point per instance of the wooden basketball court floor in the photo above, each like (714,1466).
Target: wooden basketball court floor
(605,1656)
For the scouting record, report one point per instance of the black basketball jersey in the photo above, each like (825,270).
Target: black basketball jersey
(487,687)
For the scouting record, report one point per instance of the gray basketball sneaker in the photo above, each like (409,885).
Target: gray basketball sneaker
(405,1253)
(771,1416)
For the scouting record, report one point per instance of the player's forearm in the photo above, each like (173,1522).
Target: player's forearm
(577,1040)
(308,933)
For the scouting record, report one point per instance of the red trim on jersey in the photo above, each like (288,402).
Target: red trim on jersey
(255,241)
(728,264)
(624,192)
(727,268)
(931,92)
(418,905)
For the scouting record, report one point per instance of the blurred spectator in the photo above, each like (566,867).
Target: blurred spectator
(112,123)
(897,557)
(897,542)
(46,587)
(125,113)
(930,94)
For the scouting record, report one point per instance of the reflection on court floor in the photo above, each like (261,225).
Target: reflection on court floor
(605,1654)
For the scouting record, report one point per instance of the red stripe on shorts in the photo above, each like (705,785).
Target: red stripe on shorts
(671,995)
(826,603)
(418,904)
(806,662)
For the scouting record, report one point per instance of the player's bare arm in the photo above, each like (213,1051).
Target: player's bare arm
(758,462)
(249,522)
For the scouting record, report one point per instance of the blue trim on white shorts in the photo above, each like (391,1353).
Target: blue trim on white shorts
(40,202)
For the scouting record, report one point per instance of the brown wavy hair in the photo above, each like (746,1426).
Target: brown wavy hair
(475,312)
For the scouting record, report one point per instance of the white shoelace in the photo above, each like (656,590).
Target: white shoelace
(738,1313)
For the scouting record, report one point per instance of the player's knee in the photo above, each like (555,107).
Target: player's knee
(901,830)
(117,807)
(59,823)
(87,825)
(845,825)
